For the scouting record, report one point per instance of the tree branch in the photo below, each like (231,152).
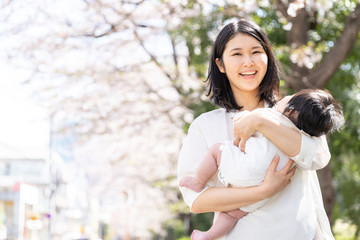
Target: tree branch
(339,52)
(175,56)
(152,56)
(114,27)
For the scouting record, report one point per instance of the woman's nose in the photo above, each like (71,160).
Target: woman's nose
(248,61)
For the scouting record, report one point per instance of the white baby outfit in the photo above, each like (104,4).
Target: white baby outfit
(241,169)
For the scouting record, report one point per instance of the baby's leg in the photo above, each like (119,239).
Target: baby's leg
(207,168)
(223,225)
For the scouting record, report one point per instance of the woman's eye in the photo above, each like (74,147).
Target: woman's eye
(256,52)
(237,54)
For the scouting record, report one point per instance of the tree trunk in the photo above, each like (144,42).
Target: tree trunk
(297,39)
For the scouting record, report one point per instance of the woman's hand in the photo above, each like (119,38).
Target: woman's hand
(244,127)
(275,181)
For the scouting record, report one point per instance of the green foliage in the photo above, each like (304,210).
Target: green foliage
(345,231)
(345,149)
(174,229)
(271,24)
(345,145)
(202,221)
(195,33)
(349,187)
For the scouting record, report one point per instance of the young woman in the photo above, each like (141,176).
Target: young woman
(243,76)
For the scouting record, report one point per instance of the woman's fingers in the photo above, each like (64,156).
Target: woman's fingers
(243,129)
(242,144)
(287,167)
(288,171)
(236,141)
(275,181)
(237,137)
(292,172)
(274,163)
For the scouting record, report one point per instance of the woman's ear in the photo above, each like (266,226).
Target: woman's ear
(219,63)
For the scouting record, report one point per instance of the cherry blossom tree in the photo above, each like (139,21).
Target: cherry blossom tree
(125,79)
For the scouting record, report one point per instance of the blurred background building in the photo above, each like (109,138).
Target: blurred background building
(43,194)
(43,198)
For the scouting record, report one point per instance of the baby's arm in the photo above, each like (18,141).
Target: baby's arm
(207,168)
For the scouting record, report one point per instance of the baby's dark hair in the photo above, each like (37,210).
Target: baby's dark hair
(315,112)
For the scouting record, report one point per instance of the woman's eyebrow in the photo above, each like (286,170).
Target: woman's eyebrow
(238,49)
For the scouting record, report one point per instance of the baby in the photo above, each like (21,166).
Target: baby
(315,112)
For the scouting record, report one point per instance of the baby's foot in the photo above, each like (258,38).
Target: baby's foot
(198,235)
(192,183)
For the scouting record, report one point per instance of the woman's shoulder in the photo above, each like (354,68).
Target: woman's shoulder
(213,126)
(214,115)
(211,119)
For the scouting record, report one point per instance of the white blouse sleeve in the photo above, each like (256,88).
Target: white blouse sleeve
(314,153)
(192,151)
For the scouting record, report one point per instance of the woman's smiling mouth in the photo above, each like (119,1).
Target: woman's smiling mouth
(249,73)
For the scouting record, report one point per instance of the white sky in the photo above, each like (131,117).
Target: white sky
(24,127)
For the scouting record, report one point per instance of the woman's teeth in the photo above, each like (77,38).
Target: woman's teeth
(248,73)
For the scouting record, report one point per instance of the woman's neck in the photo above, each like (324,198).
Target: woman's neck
(249,102)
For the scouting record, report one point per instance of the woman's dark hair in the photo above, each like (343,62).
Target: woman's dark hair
(315,112)
(219,86)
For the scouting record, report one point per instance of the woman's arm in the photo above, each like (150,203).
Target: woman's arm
(226,199)
(310,153)
(287,139)
(218,198)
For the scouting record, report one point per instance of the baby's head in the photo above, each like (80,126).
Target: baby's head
(314,111)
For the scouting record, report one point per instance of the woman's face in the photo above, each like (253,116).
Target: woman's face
(244,63)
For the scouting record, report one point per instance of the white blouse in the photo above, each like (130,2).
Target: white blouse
(295,213)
